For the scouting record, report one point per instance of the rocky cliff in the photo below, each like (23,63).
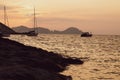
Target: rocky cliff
(5,29)
(20,62)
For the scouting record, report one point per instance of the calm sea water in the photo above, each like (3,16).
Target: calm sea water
(101,54)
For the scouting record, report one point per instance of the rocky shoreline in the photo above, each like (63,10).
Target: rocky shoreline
(20,62)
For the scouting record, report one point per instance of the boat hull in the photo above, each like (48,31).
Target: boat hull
(86,34)
(32,33)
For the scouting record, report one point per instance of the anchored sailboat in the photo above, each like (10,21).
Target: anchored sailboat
(34,32)
(6,23)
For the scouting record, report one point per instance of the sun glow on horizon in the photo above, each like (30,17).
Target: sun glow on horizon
(89,15)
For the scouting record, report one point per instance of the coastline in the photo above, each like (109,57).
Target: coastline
(20,62)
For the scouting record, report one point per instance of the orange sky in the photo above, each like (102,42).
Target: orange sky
(97,16)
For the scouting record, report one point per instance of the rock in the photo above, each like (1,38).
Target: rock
(20,62)
(5,29)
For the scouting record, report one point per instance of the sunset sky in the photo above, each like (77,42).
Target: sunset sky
(97,16)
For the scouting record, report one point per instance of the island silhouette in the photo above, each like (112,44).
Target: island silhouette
(70,30)
(23,29)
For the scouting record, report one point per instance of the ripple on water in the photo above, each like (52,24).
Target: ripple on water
(100,53)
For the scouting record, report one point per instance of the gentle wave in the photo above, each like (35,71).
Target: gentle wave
(100,53)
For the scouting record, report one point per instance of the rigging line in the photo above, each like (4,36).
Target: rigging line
(34,15)
(4,15)
(34,20)
(36,26)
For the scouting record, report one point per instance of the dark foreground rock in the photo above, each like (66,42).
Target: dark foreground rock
(4,29)
(20,62)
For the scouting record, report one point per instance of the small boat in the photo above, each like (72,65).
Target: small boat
(86,34)
(34,32)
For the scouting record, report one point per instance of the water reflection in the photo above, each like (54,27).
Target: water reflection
(100,53)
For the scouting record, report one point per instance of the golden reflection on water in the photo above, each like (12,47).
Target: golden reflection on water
(101,54)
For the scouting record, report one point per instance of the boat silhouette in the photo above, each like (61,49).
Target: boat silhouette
(86,34)
(33,32)
(6,22)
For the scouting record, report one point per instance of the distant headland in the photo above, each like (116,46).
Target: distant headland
(22,29)
(70,30)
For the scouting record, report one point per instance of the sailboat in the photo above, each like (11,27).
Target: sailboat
(6,23)
(33,32)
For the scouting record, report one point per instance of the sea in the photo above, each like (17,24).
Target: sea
(100,53)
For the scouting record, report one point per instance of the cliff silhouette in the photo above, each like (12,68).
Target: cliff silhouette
(20,62)
(71,30)
(5,29)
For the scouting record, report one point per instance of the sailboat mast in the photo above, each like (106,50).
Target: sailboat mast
(6,22)
(4,15)
(34,19)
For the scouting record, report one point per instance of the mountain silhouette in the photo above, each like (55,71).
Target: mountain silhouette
(21,29)
(71,30)
(43,30)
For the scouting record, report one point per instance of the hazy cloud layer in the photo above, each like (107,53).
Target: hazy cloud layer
(99,16)
(11,8)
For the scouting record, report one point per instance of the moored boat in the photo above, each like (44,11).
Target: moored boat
(86,34)
(34,32)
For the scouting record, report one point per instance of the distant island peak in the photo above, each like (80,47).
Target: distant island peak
(70,30)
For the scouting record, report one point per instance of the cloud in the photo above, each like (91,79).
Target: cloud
(57,20)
